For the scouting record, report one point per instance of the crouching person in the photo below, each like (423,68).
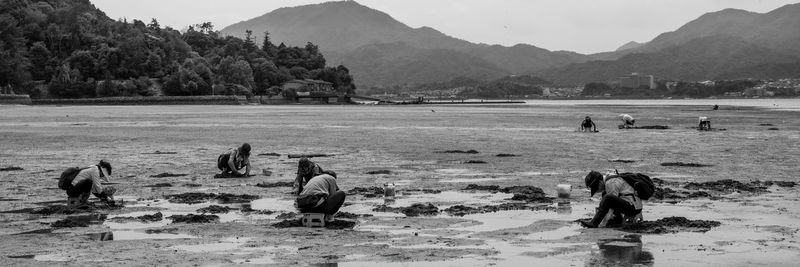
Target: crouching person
(234,160)
(321,195)
(307,169)
(617,195)
(79,183)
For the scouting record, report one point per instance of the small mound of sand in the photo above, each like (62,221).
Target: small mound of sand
(727,185)
(670,225)
(144,218)
(372,191)
(167,174)
(335,225)
(278,184)
(682,164)
(379,172)
(214,209)
(194,198)
(194,218)
(12,168)
(471,151)
(411,211)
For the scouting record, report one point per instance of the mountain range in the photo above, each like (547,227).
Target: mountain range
(381,51)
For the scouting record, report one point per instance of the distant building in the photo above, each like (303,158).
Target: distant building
(308,85)
(637,81)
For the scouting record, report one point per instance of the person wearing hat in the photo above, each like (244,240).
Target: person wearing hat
(89,180)
(587,125)
(307,169)
(234,160)
(616,194)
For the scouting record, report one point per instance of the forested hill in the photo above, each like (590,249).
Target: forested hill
(75,50)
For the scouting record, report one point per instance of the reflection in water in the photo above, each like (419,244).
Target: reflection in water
(104,236)
(626,250)
(564,207)
(388,201)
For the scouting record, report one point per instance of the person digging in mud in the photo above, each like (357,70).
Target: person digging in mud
(89,180)
(705,124)
(627,121)
(321,195)
(306,170)
(587,125)
(234,160)
(617,194)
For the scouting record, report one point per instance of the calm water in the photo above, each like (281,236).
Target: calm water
(781,104)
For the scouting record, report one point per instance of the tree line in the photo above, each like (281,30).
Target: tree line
(74,50)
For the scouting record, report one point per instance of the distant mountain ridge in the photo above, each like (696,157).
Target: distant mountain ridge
(382,51)
(728,44)
(342,29)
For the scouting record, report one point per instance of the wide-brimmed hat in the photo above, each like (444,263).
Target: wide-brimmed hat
(593,180)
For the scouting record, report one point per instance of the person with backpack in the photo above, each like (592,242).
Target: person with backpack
(306,170)
(234,160)
(79,182)
(622,193)
(587,125)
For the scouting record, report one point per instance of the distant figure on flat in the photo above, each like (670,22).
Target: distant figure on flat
(79,182)
(627,121)
(306,170)
(716,107)
(234,160)
(705,124)
(587,125)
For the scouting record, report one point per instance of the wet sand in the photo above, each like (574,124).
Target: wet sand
(370,146)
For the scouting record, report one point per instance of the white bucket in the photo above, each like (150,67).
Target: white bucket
(563,190)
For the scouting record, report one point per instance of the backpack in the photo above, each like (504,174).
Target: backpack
(65,181)
(641,183)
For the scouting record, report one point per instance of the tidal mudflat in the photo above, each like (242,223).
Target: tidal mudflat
(447,212)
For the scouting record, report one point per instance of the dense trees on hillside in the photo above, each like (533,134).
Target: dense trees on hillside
(74,50)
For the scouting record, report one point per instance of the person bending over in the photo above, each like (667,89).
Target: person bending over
(234,160)
(307,169)
(705,124)
(587,125)
(89,180)
(627,121)
(617,194)
(321,195)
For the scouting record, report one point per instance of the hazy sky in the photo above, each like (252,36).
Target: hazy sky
(584,26)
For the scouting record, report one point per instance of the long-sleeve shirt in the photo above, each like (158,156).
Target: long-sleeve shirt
(618,187)
(93,174)
(625,118)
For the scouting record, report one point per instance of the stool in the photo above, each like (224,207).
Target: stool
(73,202)
(313,219)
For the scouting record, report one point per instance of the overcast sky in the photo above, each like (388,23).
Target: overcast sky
(584,26)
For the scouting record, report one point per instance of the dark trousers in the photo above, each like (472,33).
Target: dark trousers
(619,205)
(82,189)
(330,206)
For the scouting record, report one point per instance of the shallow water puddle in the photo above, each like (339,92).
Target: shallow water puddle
(136,235)
(557,234)
(625,250)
